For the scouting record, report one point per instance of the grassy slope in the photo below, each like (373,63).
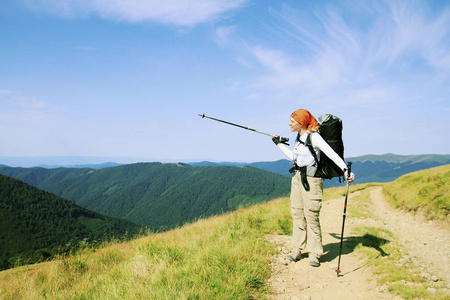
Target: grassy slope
(425,191)
(223,257)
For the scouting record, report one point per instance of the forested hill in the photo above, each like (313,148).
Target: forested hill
(35,223)
(155,194)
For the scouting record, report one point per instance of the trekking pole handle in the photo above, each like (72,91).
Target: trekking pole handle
(349,173)
(278,139)
(284,140)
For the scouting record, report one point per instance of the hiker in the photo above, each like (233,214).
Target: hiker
(306,189)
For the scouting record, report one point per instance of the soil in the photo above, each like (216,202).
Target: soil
(424,242)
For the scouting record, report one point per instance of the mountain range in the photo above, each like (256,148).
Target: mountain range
(368,168)
(38,221)
(157,195)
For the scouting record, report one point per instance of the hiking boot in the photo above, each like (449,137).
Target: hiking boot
(313,260)
(295,256)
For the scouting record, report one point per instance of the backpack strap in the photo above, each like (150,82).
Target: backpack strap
(311,149)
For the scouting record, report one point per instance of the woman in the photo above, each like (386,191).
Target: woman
(306,195)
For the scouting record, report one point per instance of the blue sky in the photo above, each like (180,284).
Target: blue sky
(128,78)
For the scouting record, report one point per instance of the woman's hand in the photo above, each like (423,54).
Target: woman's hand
(350,178)
(276,139)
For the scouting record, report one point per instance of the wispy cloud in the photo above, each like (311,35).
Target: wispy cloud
(5,92)
(174,12)
(374,48)
(223,35)
(13,104)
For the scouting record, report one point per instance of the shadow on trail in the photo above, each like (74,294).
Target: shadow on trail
(350,243)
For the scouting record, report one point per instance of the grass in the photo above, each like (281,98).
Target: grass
(223,257)
(424,191)
(359,206)
(339,192)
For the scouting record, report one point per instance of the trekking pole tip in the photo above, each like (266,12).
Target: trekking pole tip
(202,115)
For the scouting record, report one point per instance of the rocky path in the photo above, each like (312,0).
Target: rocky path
(427,243)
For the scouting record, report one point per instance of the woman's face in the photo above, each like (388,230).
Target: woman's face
(296,126)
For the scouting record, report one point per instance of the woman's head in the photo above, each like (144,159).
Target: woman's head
(305,119)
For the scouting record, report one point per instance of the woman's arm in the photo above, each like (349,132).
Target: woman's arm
(318,142)
(286,151)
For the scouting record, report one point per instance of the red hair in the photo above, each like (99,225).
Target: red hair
(305,118)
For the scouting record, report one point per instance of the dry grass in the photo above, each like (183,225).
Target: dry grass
(222,257)
(425,191)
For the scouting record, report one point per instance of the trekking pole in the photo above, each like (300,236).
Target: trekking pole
(349,171)
(282,139)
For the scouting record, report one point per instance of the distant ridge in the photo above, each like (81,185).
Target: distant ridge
(394,158)
(368,168)
(215,164)
(90,166)
(59,161)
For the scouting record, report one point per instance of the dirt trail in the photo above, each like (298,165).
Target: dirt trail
(426,242)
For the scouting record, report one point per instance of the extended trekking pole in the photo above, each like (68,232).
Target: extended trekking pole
(282,139)
(349,171)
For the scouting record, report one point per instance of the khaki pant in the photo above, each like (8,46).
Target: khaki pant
(305,209)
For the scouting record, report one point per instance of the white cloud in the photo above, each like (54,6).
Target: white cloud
(223,35)
(252,97)
(408,30)
(174,12)
(18,109)
(5,92)
(19,101)
(376,50)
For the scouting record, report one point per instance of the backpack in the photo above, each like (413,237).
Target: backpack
(331,131)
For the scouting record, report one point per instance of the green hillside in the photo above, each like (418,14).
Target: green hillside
(425,191)
(36,224)
(155,194)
